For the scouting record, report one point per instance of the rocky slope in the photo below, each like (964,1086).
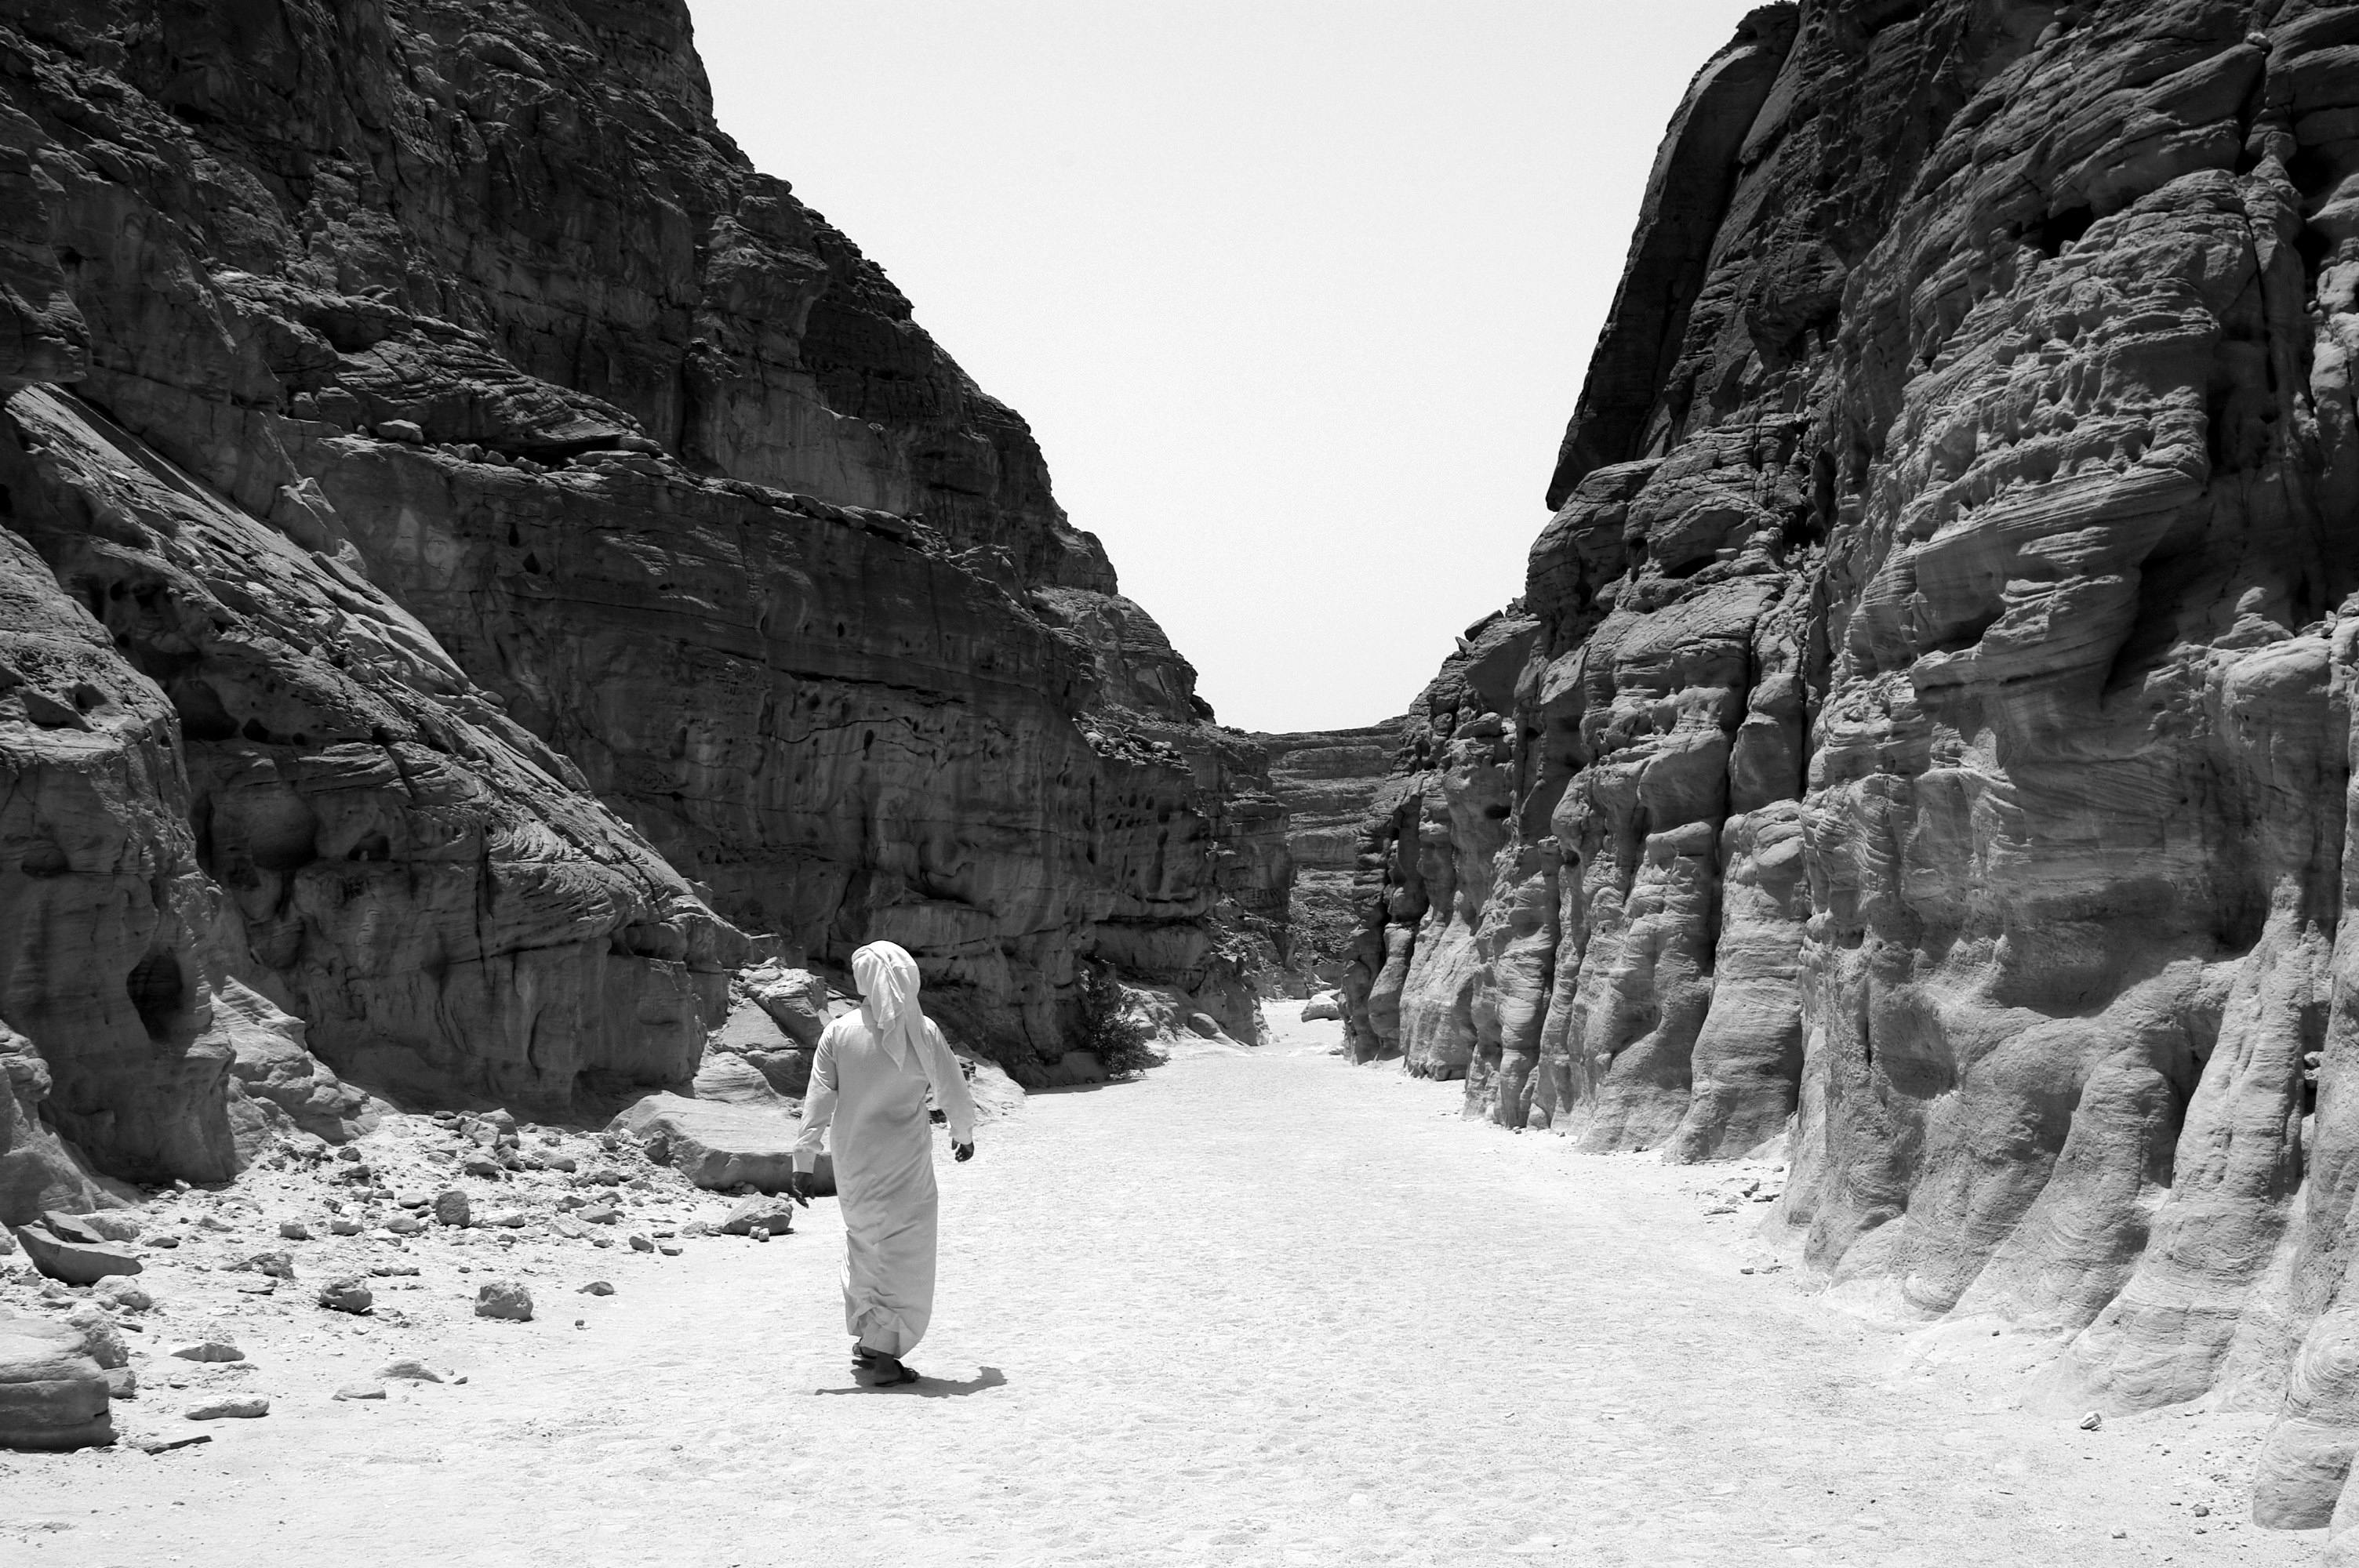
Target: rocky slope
(1327,779)
(1924,731)
(480,562)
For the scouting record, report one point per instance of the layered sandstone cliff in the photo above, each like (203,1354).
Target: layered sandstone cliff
(1924,734)
(1327,779)
(476,552)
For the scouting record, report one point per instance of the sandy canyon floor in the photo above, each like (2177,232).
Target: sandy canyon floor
(1260,1308)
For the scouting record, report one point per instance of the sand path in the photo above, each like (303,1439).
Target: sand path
(1261,1308)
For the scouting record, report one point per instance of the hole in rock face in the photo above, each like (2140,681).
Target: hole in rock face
(44,859)
(372,847)
(157,992)
(202,716)
(253,730)
(531,563)
(2056,231)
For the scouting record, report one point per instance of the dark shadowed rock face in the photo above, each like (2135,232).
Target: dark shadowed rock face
(1327,781)
(1924,733)
(471,549)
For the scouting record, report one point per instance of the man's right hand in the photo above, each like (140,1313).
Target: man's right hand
(798,1187)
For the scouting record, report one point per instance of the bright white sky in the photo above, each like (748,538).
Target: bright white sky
(1296,294)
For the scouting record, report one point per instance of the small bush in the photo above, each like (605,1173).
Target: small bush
(1119,1040)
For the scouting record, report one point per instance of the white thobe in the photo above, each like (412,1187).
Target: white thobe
(884,1151)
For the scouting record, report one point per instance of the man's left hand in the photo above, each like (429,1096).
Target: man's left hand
(962,1152)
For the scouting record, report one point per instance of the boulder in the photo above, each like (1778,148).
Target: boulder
(504,1299)
(734,1080)
(350,1294)
(100,1340)
(272,1063)
(775,1215)
(53,1395)
(1325,1005)
(795,1000)
(97,1227)
(719,1146)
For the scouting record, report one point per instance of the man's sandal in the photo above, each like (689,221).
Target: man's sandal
(875,1369)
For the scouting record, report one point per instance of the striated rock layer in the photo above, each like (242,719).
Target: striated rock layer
(1924,733)
(1327,781)
(473,551)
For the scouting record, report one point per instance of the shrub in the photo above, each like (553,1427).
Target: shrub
(1119,1041)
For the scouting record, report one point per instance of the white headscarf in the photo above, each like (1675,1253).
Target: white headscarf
(888,978)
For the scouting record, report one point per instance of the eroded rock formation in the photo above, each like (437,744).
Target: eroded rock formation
(1327,781)
(1925,732)
(473,551)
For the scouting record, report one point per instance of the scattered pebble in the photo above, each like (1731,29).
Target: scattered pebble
(2093,1420)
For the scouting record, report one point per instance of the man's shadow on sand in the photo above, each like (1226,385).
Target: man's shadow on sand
(933,1387)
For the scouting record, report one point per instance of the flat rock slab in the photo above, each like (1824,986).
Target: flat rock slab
(53,1396)
(721,1147)
(233,1407)
(208,1350)
(73,1262)
(409,1369)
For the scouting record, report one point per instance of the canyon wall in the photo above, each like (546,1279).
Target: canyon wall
(1327,781)
(480,562)
(1922,742)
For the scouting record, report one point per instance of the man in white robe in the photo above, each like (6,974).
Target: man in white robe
(870,1079)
